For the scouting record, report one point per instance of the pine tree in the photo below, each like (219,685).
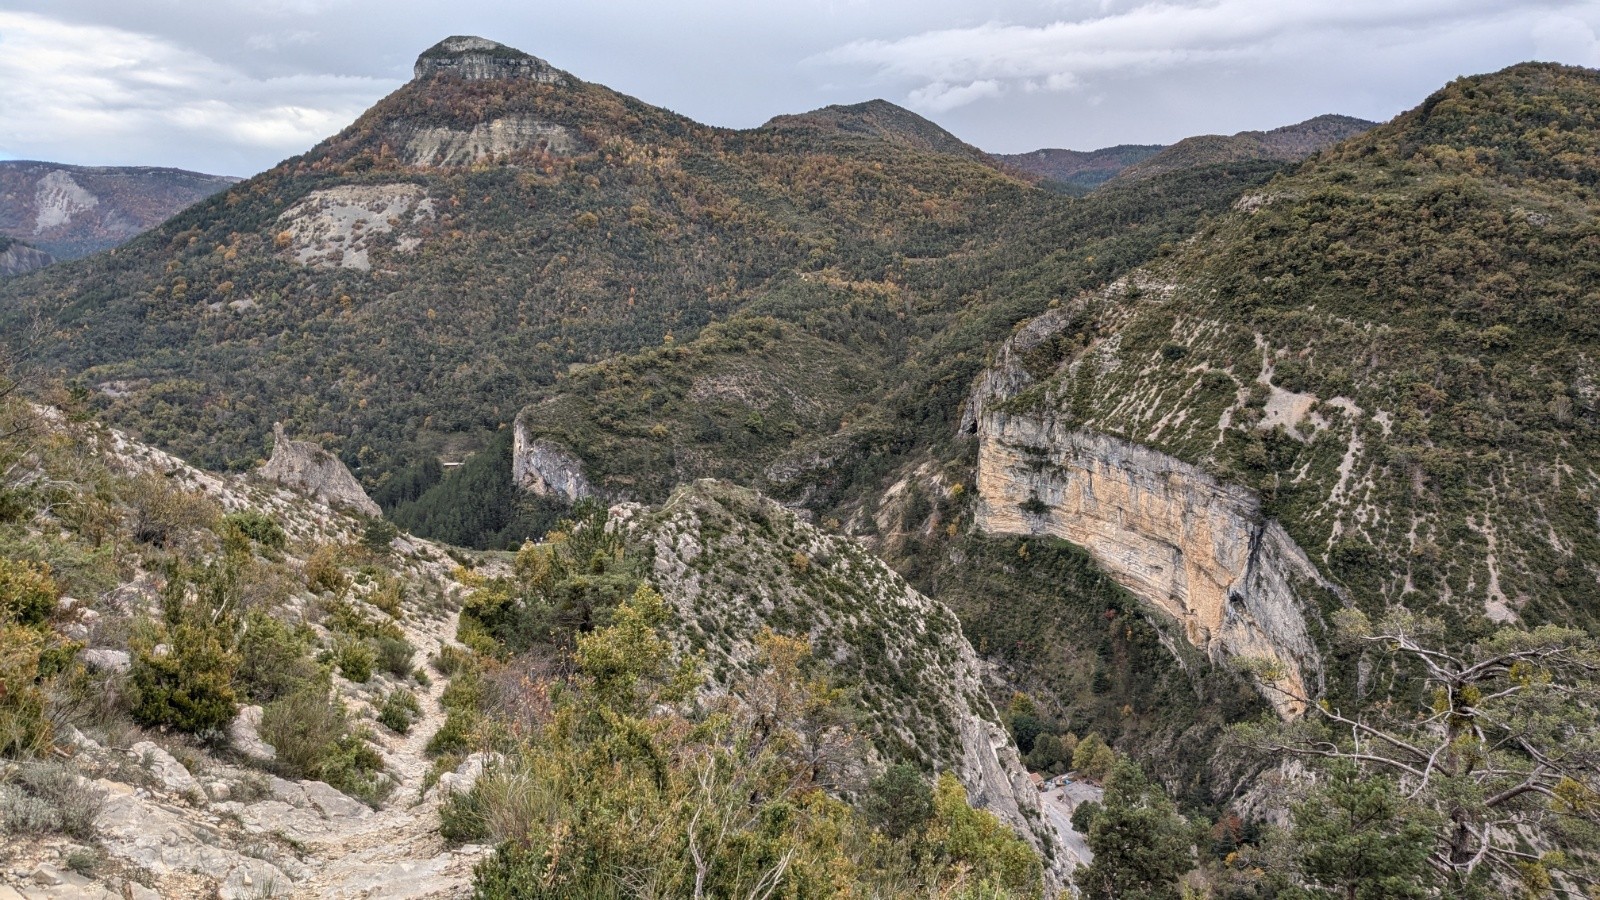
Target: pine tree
(1140,843)
(1356,838)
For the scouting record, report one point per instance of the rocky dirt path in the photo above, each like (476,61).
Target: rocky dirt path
(396,853)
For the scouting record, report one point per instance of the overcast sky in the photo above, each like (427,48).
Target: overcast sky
(233,86)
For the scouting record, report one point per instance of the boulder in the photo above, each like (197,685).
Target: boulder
(166,770)
(245,737)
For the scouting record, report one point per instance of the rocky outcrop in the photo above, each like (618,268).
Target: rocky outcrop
(306,467)
(546,469)
(338,227)
(498,139)
(17,258)
(1196,549)
(731,563)
(480,59)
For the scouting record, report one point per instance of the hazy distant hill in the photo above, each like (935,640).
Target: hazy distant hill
(1289,143)
(72,211)
(1085,169)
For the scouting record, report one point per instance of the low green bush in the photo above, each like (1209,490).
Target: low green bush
(27,592)
(462,819)
(355,660)
(451,659)
(258,527)
(394,655)
(399,710)
(456,734)
(274,659)
(188,685)
(311,732)
(25,729)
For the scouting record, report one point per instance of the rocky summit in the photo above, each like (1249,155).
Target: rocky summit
(480,59)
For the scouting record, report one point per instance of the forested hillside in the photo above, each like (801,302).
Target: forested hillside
(419,276)
(73,211)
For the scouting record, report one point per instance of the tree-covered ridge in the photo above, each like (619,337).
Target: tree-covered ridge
(826,382)
(881,120)
(1081,170)
(1395,346)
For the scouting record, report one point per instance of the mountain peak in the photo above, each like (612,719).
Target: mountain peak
(480,59)
(884,121)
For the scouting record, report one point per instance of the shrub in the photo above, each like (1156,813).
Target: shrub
(355,659)
(323,574)
(301,727)
(161,514)
(353,766)
(50,797)
(189,686)
(504,803)
(399,710)
(311,732)
(378,535)
(461,817)
(899,802)
(28,594)
(395,655)
(23,813)
(451,659)
(24,727)
(84,860)
(258,527)
(274,659)
(455,735)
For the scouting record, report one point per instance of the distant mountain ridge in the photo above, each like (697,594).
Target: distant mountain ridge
(1289,143)
(72,211)
(1087,169)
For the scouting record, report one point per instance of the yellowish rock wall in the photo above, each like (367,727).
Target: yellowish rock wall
(1194,548)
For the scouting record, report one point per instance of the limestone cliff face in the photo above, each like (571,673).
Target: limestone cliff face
(437,146)
(17,258)
(546,469)
(308,468)
(1196,549)
(480,59)
(731,562)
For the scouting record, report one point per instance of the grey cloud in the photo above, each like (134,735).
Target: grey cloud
(952,67)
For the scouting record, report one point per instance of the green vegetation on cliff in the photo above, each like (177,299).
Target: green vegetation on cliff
(1395,346)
